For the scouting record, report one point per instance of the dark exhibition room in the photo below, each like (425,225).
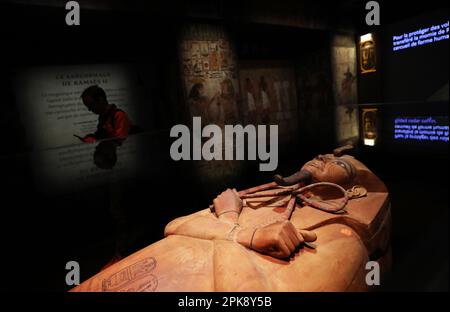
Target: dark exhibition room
(221,146)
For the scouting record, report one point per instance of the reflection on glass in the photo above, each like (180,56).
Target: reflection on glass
(369,121)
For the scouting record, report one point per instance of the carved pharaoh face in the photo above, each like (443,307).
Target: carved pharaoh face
(329,168)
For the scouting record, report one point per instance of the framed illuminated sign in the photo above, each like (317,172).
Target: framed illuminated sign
(367,55)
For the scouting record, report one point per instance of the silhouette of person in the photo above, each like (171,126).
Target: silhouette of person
(113,128)
(112,121)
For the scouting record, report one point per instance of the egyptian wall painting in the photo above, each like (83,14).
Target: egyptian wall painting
(268,96)
(343,62)
(211,90)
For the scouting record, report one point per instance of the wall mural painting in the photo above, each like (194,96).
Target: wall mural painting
(269,96)
(345,95)
(209,74)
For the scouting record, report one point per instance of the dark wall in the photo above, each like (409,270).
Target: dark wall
(416,73)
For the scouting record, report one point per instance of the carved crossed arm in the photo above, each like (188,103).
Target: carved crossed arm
(279,239)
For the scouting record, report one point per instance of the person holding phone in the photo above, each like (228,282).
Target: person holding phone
(112,121)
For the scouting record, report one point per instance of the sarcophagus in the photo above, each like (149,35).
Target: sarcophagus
(317,230)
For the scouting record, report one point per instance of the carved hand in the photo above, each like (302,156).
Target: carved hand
(228,205)
(278,240)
